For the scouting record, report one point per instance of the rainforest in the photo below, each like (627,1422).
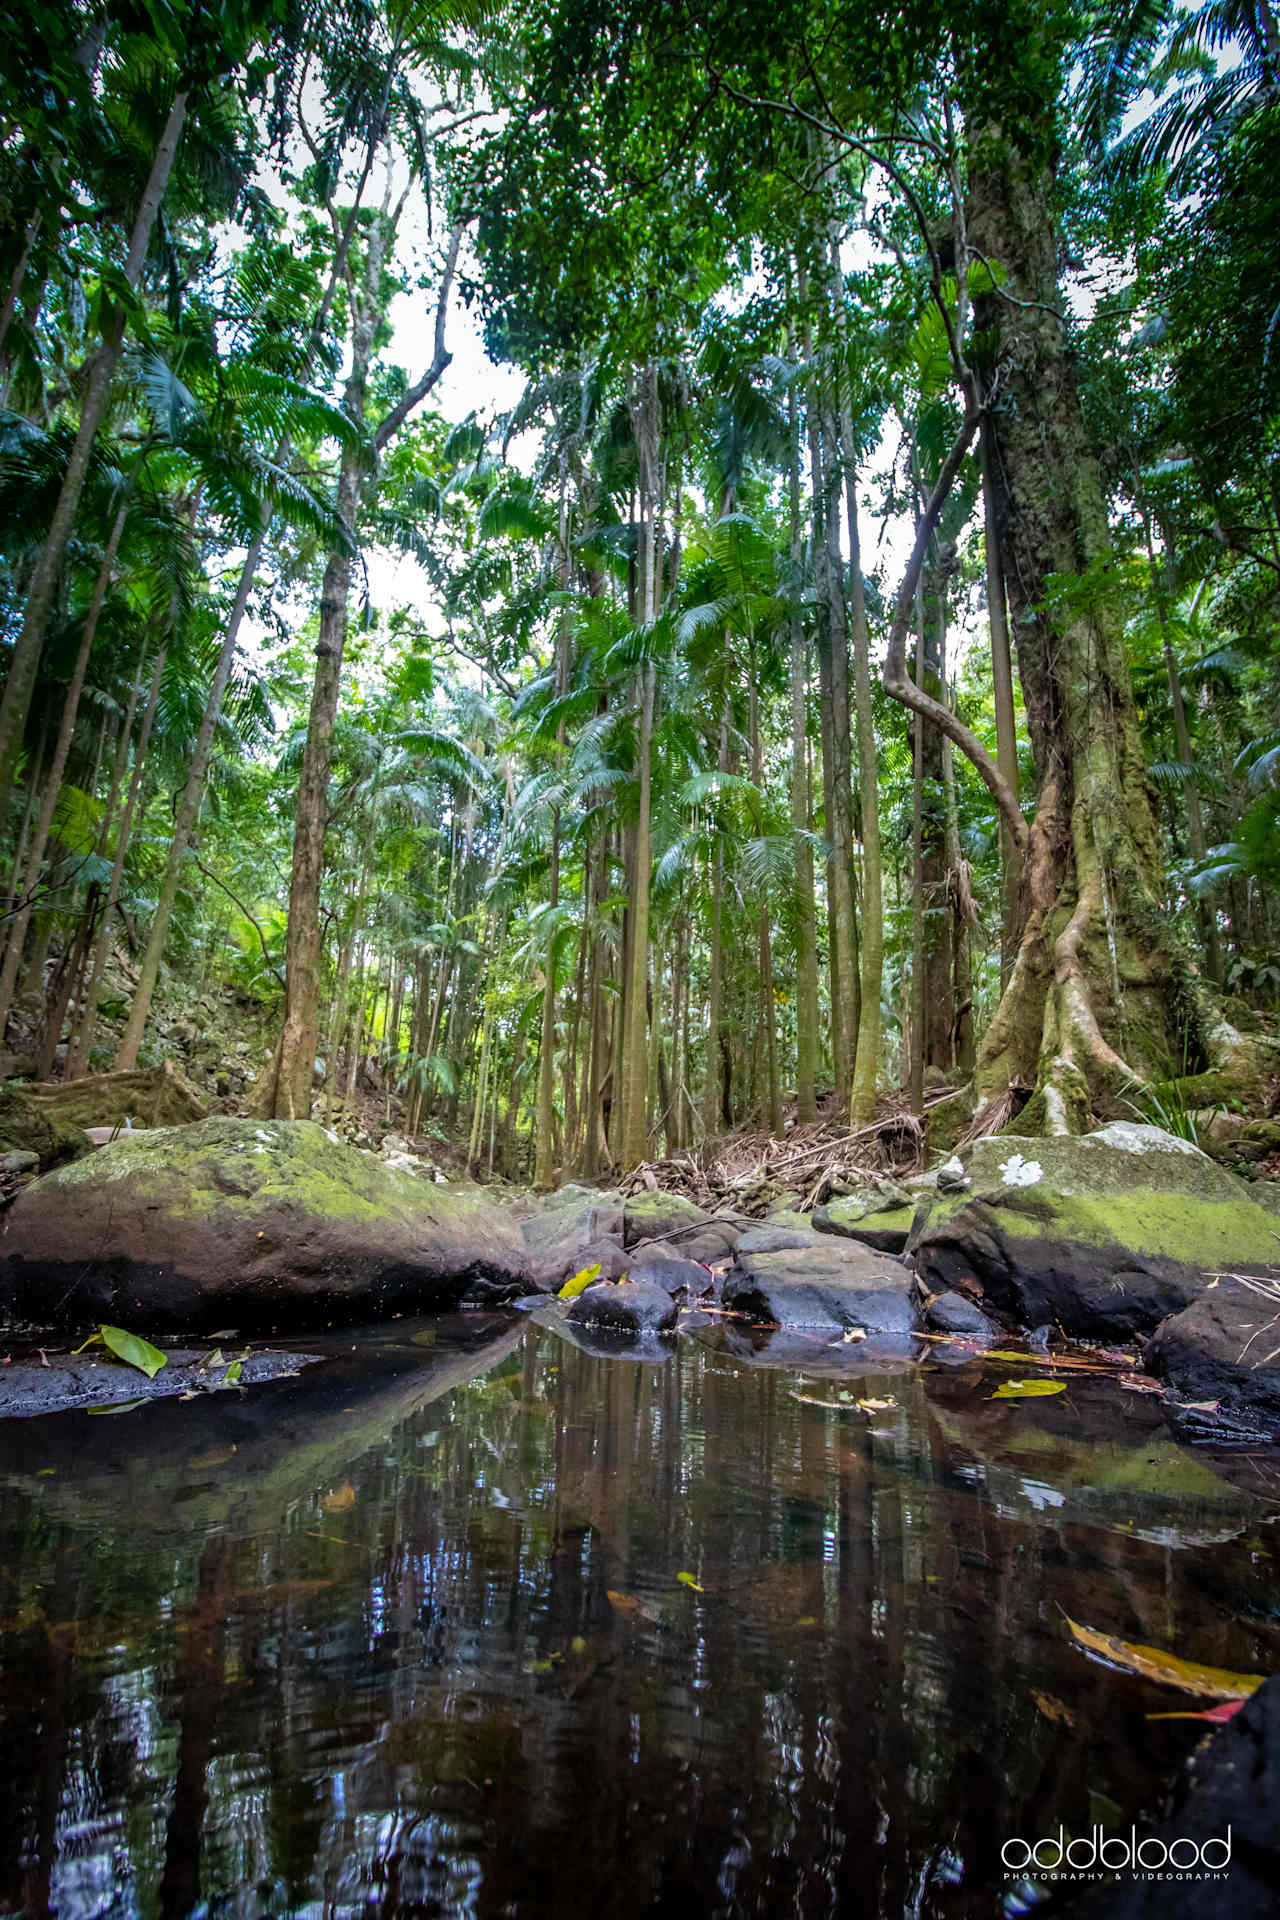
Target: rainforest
(640,953)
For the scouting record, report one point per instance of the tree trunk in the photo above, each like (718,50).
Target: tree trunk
(806,914)
(647,427)
(1100,995)
(26,893)
(82,1039)
(44,582)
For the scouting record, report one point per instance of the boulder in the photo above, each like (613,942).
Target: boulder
(1224,1347)
(1103,1234)
(638,1306)
(687,1228)
(565,1234)
(251,1224)
(772,1238)
(674,1274)
(878,1214)
(831,1288)
(26,1128)
(956,1313)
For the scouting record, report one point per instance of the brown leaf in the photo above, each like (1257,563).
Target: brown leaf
(341,1500)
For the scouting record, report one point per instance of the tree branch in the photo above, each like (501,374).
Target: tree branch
(237,901)
(898,683)
(387,428)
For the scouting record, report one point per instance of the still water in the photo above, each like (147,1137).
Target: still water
(468,1620)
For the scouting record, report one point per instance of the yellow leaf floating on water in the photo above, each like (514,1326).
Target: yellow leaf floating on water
(1053,1709)
(687,1580)
(580,1282)
(1152,1663)
(1027,1389)
(341,1500)
(875,1406)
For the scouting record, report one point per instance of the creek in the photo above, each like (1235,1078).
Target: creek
(470,1620)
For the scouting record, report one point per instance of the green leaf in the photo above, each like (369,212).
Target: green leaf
(687,1580)
(134,1350)
(579,1283)
(1027,1389)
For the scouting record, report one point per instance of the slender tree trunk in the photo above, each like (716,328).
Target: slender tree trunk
(26,893)
(42,593)
(647,426)
(82,1039)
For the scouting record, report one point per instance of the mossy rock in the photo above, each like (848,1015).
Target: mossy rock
(879,1215)
(26,1128)
(247,1224)
(651,1216)
(1103,1234)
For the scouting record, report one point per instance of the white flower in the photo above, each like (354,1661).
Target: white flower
(1021,1173)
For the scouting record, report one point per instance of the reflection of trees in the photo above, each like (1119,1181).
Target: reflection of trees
(458,1672)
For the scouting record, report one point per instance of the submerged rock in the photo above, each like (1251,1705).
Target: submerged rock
(1104,1235)
(833,1287)
(253,1224)
(639,1306)
(1224,1347)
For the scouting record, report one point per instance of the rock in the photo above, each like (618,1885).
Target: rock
(771,1238)
(1103,1235)
(1226,1347)
(638,1306)
(16,1162)
(682,1225)
(26,1128)
(248,1224)
(149,1097)
(788,1217)
(954,1313)
(605,1254)
(673,1274)
(1231,1783)
(28,1388)
(834,1287)
(878,1214)
(562,1233)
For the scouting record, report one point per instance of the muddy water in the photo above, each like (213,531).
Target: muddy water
(469,1620)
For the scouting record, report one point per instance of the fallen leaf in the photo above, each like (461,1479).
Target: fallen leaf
(1140,1383)
(854,1333)
(341,1500)
(631,1608)
(687,1580)
(1027,1389)
(1225,1710)
(875,1406)
(1198,1406)
(120,1406)
(1171,1671)
(580,1282)
(812,1400)
(212,1459)
(134,1350)
(1053,1709)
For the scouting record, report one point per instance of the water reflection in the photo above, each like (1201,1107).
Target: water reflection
(501,1626)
